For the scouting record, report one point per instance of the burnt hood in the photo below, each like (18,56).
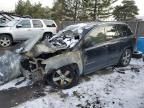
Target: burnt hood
(55,44)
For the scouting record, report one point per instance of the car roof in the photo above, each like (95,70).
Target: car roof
(43,19)
(89,25)
(103,23)
(35,19)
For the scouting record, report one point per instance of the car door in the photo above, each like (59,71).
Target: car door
(38,28)
(23,30)
(113,43)
(95,50)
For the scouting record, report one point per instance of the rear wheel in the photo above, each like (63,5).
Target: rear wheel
(63,78)
(47,36)
(126,58)
(5,40)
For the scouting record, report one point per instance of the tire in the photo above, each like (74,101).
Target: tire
(47,36)
(125,58)
(137,55)
(5,40)
(63,78)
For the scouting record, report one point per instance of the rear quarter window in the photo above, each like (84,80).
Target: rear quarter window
(37,24)
(124,30)
(49,23)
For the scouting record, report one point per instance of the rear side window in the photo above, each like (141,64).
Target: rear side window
(49,23)
(124,30)
(37,24)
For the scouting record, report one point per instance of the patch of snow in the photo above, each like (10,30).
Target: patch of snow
(137,62)
(109,90)
(13,84)
(70,43)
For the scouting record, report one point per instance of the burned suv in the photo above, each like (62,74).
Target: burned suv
(77,50)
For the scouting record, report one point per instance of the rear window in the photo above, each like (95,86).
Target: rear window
(49,23)
(124,30)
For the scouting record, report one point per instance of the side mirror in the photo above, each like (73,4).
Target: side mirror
(18,26)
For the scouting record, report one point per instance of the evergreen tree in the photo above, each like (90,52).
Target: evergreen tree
(72,9)
(36,10)
(127,11)
(57,12)
(19,9)
(101,9)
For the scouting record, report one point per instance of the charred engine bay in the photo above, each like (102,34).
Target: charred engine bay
(28,65)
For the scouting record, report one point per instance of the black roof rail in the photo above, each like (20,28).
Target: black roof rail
(10,15)
(27,16)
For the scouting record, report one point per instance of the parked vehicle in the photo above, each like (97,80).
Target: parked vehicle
(77,50)
(25,28)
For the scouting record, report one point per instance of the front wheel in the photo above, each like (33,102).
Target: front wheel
(126,58)
(5,41)
(63,78)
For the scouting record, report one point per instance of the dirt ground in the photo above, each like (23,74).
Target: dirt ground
(12,97)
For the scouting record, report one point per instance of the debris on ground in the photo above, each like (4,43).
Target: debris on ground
(111,90)
(14,84)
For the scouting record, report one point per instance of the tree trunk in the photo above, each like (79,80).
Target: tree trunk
(95,11)
(75,11)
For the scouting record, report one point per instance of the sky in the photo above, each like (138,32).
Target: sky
(8,5)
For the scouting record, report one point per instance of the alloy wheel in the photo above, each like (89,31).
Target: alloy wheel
(62,78)
(47,36)
(126,57)
(5,42)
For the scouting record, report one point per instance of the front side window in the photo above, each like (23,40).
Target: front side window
(25,24)
(37,24)
(111,32)
(95,36)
